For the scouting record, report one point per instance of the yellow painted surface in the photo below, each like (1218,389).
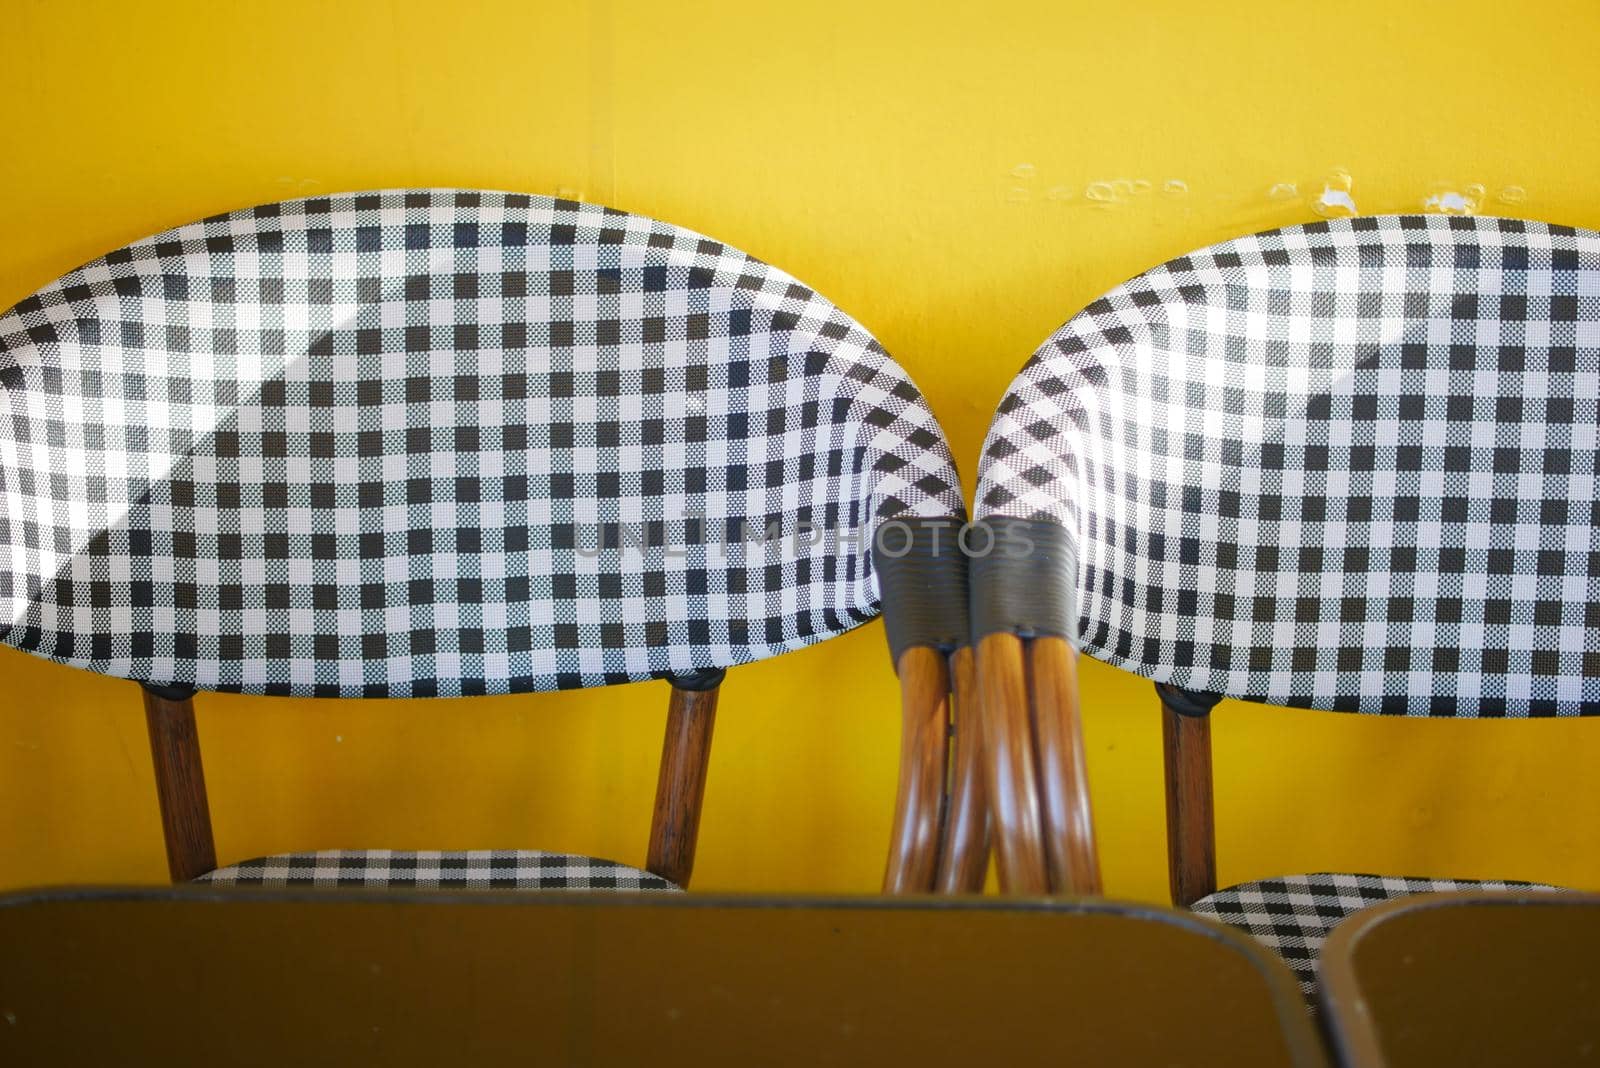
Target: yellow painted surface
(959,177)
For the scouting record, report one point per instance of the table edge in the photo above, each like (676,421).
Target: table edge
(1352,1035)
(1299,1035)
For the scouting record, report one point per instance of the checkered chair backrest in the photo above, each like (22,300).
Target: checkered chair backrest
(1349,465)
(443,442)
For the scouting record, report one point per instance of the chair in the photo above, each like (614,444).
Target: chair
(439,443)
(1345,466)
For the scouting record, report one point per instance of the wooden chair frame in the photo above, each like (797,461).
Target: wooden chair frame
(1038,786)
(940,836)
(674,826)
(940,840)
(1191,809)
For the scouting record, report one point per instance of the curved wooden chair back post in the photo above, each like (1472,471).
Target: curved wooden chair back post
(681,782)
(1039,791)
(1074,864)
(1191,824)
(924,749)
(1013,780)
(964,855)
(922,579)
(180,784)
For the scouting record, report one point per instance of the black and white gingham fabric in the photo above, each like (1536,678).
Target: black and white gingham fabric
(1293,916)
(440,442)
(432,870)
(1349,465)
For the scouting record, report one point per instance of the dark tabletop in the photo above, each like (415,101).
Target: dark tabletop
(202,976)
(1467,979)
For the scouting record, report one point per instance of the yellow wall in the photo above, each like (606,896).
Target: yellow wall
(961,178)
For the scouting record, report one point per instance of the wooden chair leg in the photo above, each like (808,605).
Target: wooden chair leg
(681,783)
(1011,772)
(964,857)
(180,784)
(1074,864)
(1191,827)
(924,752)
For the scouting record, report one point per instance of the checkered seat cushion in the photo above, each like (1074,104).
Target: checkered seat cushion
(1349,465)
(1293,916)
(443,442)
(430,870)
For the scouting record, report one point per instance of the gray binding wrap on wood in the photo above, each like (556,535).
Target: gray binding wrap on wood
(1027,582)
(922,582)
(697,681)
(169,692)
(1187,702)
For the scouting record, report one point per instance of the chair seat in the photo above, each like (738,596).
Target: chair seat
(1293,915)
(479,869)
